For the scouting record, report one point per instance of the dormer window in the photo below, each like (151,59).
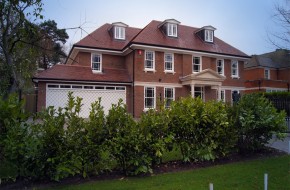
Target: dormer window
(119,33)
(172,30)
(119,30)
(208,35)
(169,27)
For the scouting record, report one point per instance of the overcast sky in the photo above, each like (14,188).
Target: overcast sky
(244,24)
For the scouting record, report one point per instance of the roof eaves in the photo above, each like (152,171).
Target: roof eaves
(75,80)
(89,47)
(186,49)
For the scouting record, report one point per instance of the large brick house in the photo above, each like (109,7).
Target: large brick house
(269,72)
(163,61)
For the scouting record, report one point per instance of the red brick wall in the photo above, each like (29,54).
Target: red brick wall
(284,74)
(139,100)
(41,98)
(108,61)
(129,64)
(186,63)
(210,94)
(139,97)
(274,74)
(129,101)
(159,75)
(254,74)
(258,73)
(208,63)
(182,67)
(229,81)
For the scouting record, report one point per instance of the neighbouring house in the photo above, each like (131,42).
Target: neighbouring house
(161,62)
(269,72)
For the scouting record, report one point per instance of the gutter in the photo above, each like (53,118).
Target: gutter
(144,45)
(133,82)
(36,80)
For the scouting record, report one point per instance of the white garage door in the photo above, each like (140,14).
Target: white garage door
(57,95)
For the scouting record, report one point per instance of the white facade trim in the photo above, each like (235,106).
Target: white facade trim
(158,84)
(200,63)
(172,62)
(220,56)
(154,101)
(136,46)
(83,87)
(233,88)
(80,82)
(153,61)
(93,50)
(267,88)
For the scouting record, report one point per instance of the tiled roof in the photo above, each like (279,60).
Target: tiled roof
(277,59)
(102,38)
(187,39)
(153,35)
(83,73)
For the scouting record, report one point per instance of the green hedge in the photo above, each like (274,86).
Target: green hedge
(58,143)
(256,121)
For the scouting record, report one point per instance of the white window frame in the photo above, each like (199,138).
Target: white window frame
(237,69)
(166,61)
(223,95)
(222,66)
(172,30)
(154,98)
(119,33)
(193,64)
(267,73)
(208,35)
(201,92)
(85,87)
(93,62)
(146,59)
(166,98)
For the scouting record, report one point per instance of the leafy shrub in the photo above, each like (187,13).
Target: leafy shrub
(218,135)
(17,147)
(257,121)
(49,129)
(95,153)
(186,115)
(201,130)
(154,125)
(126,142)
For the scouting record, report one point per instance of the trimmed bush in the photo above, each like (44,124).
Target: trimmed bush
(154,125)
(126,142)
(201,129)
(257,120)
(59,143)
(18,147)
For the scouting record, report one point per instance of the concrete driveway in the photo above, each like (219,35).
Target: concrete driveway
(283,145)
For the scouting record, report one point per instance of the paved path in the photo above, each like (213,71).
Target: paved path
(283,145)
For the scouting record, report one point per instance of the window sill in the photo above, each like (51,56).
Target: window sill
(169,72)
(147,109)
(149,70)
(97,72)
(235,77)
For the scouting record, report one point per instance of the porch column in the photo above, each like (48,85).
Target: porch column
(219,93)
(192,90)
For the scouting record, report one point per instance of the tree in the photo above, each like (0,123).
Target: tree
(51,40)
(24,45)
(282,18)
(15,28)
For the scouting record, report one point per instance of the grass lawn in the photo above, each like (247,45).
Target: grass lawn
(242,175)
